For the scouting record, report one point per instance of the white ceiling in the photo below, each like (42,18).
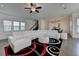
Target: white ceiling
(48,11)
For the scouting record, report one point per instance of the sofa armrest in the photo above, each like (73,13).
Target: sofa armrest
(10,38)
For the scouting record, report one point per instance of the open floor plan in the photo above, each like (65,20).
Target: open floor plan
(39,29)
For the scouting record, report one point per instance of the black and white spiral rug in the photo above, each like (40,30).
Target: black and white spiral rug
(37,49)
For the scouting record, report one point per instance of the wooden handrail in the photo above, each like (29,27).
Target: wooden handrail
(36,23)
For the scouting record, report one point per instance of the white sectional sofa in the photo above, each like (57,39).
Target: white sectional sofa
(20,40)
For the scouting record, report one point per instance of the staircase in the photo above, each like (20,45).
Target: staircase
(35,26)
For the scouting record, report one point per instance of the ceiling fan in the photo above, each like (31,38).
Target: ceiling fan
(33,8)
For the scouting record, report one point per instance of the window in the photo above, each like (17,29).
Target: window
(13,25)
(7,25)
(16,25)
(78,25)
(22,26)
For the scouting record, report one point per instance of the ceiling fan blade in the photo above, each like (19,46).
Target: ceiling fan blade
(30,11)
(37,11)
(38,7)
(27,8)
(31,4)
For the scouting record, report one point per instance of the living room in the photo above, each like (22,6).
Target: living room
(39,29)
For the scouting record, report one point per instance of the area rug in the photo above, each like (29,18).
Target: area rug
(36,49)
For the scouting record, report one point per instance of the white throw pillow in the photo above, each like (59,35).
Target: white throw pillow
(44,39)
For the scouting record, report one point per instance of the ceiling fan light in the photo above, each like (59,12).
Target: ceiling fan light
(33,9)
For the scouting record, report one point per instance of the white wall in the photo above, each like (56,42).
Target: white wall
(74,27)
(43,24)
(48,24)
(64,23)
(4,35)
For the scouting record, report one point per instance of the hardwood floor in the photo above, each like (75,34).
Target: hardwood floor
(70,47)
(3,43)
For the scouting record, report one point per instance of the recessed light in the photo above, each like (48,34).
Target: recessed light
(64,6)
(2,5)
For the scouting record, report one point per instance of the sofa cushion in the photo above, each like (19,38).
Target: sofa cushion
(55,36)
(20,41)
